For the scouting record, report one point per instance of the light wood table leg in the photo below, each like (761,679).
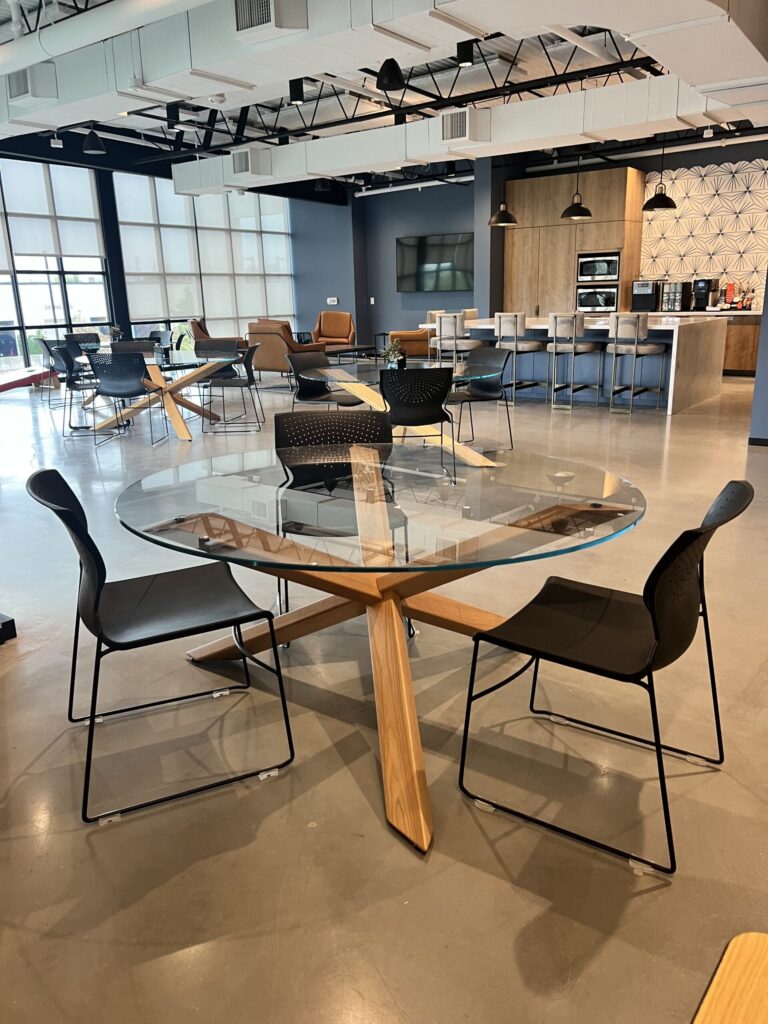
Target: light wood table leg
(175,418)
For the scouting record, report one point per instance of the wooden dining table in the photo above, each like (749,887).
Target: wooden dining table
(376,529)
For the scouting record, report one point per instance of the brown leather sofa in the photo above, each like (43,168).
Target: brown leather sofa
(334,327)
(412,343)
(275,341)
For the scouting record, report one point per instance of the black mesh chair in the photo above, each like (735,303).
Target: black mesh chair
(239,383)
(79,342)
(126,614)
(218,348)
(416,398)
(295,432)
(316,391)
(75,382)
(488,364)
(122,376)
(621,636)
(52,360)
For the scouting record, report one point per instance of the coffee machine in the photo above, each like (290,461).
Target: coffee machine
(705,292)
(645,296)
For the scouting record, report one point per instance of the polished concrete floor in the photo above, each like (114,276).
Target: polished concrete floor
(289,899)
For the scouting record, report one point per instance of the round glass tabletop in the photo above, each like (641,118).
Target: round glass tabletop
(368,373)
(379,508)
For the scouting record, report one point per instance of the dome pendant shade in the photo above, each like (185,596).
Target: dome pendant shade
(503,218)
(577,210)
(390,76)
(92,145)
(659,200)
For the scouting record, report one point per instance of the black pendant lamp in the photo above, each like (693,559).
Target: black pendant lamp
(577,210)
(503,218)
(660,200)
(390,76)
(92,145)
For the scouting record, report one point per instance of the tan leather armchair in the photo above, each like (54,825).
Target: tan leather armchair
(200,332)
(275,341)
(412,343)
(334,327)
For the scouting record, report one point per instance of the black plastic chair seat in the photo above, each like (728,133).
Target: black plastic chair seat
(462,395)
(413,416)
(341,398)
(173,604)
(606,632)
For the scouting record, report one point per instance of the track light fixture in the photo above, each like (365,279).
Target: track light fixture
(296,91)
(503,218)
(93,146)
(465,51)
(390,76)
(577,210)
(55,142)
(660,200)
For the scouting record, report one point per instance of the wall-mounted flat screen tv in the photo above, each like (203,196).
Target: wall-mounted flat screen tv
(436,263)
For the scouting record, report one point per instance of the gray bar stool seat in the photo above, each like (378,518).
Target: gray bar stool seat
(628,333)
(565,330)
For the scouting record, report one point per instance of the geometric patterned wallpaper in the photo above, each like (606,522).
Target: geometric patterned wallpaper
(719,229)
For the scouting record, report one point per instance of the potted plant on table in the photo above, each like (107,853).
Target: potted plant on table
(394,356)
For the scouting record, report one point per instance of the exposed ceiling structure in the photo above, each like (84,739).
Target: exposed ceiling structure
(260,93)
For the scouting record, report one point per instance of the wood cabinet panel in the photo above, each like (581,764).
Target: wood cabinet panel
(521,270)
(600,236)
(557,268)
(741,343)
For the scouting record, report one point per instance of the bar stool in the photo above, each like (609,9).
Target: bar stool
(565,330)
(512,326)
(432,314)
(628,333)
(449,336)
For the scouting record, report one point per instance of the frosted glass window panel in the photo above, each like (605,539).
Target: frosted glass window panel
(139,249)
(146,297)
(144,330)
(246,246)
(215,252)
(133,193)
(251,299)
(179,250)
(80,238)
(274,213)
(41,297)
(83,265)
(223,328)
(5,263)
(24,186)
(35,262)
(172,209)
(277,254)
(8,314)
(219,297)
(32,235)
(73,192)
(244,211)
(87,299)
(184,299)
(279,295)
(211,211)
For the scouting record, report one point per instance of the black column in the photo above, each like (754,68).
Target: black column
(113,252)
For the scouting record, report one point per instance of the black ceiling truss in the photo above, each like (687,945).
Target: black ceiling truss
(39,24)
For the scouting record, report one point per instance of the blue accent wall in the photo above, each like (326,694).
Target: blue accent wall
(323,259)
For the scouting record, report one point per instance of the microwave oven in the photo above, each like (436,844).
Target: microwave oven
(597,298)
(597,267)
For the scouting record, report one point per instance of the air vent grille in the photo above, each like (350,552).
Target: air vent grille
(252,14)
(18,84)
(455,125)
(240,164)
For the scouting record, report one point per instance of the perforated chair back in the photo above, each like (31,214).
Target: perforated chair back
(53,354)
(120,374)
(308,389)
(485,360)
(416,397)
(673,591)
(71,368)
(354,426)
(50,489)
(83,340)
(509,325)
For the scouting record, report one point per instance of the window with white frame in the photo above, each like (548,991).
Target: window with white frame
(224,257)
(52,273)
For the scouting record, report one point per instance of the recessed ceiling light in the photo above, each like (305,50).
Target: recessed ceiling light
(296,91)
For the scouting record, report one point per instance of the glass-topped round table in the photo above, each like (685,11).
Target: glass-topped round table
(368,373)
(376,527)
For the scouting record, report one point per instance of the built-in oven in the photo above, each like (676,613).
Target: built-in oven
(597,267)
(597,298)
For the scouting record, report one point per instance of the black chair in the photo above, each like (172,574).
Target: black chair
(219,348)
(316,391)
(244,383)
(143,345)
(126,614)
(621,636)
(491,364)
(53,361)
(75,383)
(162,338)
(416,398)
(297,431)
(79,342)
(122,376)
